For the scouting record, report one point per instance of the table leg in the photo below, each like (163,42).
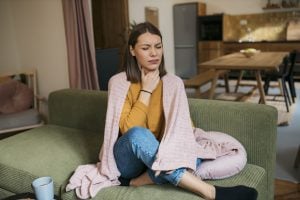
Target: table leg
(260,87)
(280,87)
(226,82)
(239,81)
(213,85)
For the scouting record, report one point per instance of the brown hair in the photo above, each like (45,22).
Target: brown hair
(130,63)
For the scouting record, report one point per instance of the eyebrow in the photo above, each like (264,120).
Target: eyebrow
(160,43)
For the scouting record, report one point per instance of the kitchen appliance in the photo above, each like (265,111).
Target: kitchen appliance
(185,39)
(211,27)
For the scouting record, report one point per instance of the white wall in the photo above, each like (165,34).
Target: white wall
(32,34)
(8,49)
(165,10)
(34,37)
(235,7)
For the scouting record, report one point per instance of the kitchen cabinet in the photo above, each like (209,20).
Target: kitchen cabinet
(230,47)
(208,50)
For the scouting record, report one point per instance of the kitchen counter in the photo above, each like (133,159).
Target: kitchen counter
(230,47)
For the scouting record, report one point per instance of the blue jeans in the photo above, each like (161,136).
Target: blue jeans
(135,153)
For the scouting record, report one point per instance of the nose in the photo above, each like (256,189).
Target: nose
(153,51)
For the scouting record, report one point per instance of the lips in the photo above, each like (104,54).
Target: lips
(156,61)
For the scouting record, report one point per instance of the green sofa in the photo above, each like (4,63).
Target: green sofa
(74,134)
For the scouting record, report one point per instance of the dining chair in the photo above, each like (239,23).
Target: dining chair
(285,74)
(290,79)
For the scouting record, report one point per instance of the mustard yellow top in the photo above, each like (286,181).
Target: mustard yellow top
(136,113)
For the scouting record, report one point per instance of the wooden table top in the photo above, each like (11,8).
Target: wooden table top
(260,61)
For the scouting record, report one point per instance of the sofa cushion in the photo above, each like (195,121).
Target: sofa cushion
(4,193)
(19,119)
(74,148)
(251,174)
(22,156)
(15,97)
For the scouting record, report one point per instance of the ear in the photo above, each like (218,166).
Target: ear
(132,51)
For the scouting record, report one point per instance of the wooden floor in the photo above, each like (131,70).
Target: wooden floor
(285,190)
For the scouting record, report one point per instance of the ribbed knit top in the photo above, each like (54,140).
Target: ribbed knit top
(136,113)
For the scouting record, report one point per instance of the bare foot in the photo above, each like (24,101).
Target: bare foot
(143,179)
(195,184)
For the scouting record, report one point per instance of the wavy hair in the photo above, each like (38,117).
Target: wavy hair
(130,65)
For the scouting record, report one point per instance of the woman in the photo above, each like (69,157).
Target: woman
(149,137)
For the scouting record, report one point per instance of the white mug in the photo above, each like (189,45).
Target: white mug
(43,188)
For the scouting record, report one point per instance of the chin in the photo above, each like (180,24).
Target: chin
(153,68)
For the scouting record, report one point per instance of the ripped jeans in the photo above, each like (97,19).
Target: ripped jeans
(135,152)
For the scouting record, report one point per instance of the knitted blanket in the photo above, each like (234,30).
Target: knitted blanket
(180,146)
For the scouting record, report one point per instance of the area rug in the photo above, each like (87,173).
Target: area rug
(277,101)
(248,94)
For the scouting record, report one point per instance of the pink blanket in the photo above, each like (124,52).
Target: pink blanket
(180,146)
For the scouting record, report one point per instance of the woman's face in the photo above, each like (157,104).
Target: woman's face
(148,51)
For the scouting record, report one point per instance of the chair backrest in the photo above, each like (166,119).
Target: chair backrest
(292,60)
(285,67)
(297,59)
(288,64)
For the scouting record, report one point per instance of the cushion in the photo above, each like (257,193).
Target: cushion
(4,79)
(45,151)
(15,97)
(20,119)
(226,165)
(169,192)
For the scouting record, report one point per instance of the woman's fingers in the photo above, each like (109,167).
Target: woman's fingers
(150,80)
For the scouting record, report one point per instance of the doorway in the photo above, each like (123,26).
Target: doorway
(111,30)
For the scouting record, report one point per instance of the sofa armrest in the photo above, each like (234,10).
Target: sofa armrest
(254,125)
(80,109)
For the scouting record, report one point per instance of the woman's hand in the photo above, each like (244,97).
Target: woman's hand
(150,80)
(149,83)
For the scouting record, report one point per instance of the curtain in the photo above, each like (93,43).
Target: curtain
(80,44)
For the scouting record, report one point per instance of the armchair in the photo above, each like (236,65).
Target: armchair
(19,102)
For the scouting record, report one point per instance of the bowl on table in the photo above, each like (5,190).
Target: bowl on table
(249,52)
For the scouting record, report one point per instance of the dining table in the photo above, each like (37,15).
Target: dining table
(260,61)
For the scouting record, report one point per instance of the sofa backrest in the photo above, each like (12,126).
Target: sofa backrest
(80,109)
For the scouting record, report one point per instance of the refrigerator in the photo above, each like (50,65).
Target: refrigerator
(185,39)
